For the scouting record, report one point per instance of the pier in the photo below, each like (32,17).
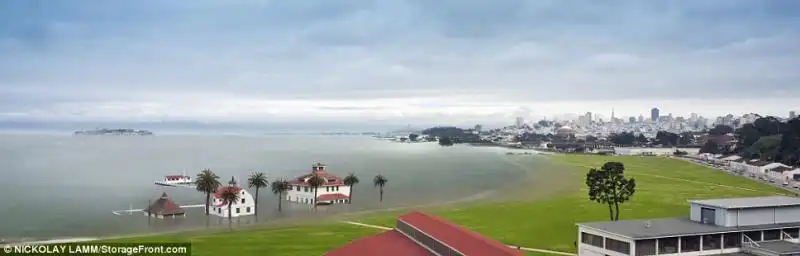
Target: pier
(131,211)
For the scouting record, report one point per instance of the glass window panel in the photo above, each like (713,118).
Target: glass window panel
(668,245)
(712,242)
(646,247)
(770,235)
(690,243)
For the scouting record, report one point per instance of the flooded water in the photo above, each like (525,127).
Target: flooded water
(63,186)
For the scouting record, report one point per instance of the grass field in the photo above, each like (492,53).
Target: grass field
(663,187)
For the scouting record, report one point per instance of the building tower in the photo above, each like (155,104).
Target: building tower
(654,114)
(792,115)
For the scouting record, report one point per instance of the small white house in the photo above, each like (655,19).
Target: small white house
(758,167)
(244,206)
(782,173)
(332,191)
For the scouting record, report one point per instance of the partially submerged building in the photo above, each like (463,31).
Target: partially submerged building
(764,226)
(164,208)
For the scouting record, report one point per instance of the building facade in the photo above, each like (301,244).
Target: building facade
(244,206)
(763,226)
(332,191)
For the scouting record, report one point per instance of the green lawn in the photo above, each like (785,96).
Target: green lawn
(663,186)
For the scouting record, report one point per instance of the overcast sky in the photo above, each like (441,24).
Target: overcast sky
(413,61)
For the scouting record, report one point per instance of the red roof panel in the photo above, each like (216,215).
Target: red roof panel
(220,190)
(389,243)
(463,240)
(329,197)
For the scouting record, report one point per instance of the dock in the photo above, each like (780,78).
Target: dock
(131,211)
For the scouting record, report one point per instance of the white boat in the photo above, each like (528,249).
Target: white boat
(176,181)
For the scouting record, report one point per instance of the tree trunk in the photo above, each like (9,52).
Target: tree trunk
(230,217)
(381,193)
(610,212)
(616,212)
(350,197)
(315,199)
(280,197)
(208,200)
(255,204)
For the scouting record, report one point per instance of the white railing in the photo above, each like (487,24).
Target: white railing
(750,242)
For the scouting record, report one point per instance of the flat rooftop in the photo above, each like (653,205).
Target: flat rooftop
(750,202)
(779,247)
(669,227)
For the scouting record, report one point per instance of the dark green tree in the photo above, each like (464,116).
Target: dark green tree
(720,130)
(315,181)
(379,182)
(445,142)
(257,180)
(278,188)
(207,182)
(710,147)
(609,186)
(351,180)
(413,137)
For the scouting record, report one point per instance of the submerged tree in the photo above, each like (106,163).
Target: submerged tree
(380,181)
(608,185)
(315,181)
(445,142)
(207,182)
(257,180)
(278,188)
(351,180)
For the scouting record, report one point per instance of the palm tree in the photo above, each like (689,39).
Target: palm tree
(279,187)
(257,180)
(380,181)
(351,180)
(207,182)
(315,181)
(230,195)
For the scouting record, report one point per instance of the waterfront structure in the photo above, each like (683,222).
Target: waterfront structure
(419,234)
(764,226)
(244,206)
(164,208)
(332,191)
(565,131)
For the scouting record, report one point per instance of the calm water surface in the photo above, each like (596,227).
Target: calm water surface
(63,186)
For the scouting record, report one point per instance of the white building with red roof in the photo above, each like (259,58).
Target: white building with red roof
(243,207)
(332,191)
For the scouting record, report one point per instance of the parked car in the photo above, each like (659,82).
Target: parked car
(786,183)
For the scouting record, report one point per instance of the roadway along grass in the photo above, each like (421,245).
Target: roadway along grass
(663,187)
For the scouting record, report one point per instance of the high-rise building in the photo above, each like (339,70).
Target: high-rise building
(792,114)
(632,120)
(589,117)
(520,122)
(641,118)
(654,114)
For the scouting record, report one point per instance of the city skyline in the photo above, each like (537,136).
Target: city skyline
(414,62)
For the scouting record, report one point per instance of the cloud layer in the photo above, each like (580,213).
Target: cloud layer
(406,61)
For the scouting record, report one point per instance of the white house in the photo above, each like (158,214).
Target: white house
(758,167)
(782,173)
(332,191)
(243,207)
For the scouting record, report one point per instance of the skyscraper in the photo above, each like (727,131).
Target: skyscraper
(654,114)
(792,114)
(520,122)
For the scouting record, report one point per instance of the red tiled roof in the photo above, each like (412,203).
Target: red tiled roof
(463,240)
(221,190)
(330,179)
(389,243)
(329,197)
(164,206)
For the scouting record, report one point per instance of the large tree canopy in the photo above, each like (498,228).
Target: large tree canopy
(608,185)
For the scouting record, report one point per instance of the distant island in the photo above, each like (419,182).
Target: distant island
(129,132)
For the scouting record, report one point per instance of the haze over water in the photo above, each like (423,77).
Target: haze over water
(64,186)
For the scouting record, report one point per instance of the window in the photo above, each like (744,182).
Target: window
(770,235)
(337,188)
(712,242)
(732,240)
(219,210)
(590,239)
(668,245)
(618,246)
(690,243)
(792,232)
(327,189)
(305,189)
(298,188)
(754,235)
(242,200)
(238,210)
(247,210)
(707,215)
(646,247)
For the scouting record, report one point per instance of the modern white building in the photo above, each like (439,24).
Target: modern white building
(783,173)
(332,191)
(759,167)
(762,226)
(243,207)
(635,151)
